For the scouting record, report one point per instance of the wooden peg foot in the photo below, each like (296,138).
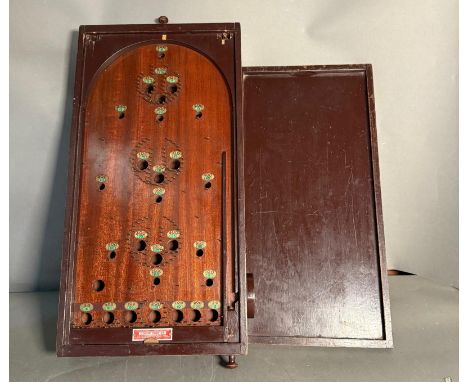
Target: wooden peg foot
(231,363)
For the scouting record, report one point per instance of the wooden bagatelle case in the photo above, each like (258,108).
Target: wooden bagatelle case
(187,172)
(151,261)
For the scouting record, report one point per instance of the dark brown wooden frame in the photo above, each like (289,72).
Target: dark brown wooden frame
(181,33)
(387,341)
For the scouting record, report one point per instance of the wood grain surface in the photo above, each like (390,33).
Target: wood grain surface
(129,158)
(155,141)
(314,231)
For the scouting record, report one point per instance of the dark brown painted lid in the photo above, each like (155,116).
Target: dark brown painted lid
(313,219)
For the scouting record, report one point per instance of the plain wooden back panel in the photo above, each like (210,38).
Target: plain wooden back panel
(313,211)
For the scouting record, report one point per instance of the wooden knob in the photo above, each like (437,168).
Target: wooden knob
(163,20)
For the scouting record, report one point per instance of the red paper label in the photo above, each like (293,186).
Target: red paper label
(160,334)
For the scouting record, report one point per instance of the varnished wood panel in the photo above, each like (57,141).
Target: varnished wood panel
(314,231)
(130,124)
(129,158)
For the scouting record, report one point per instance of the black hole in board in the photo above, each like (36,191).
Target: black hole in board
(199,252)
(173,245)
(178,316)
(208,185)
(108,318)
(161,55)
(162,99)
(195,315)
(198,115)
(102,186)
(143,164)
(130,316)
(156,281)
(150,88)
(121,115)
(157,259)
(86,318)
(98,285)
(209,282)
(112,255)
(173,89)
(159,199)
(141,245)
(175,164)
(160,118)
(212,315)
(154,316)
(159,178)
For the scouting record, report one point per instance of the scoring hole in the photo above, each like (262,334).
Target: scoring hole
(86,318)
(159,178)
(195,315)
(162,99)
(156,281)
(160,118)
(209,282)
(173,89)
(130,316)
(98,285)
(199,252)
(112,255)
(108,318)
(175,164)
(173,245)
(159,199)
(207,185)
(177,316)
(141,245)
(154,316)
(212,315)
(157,259)
(102,186)
(150,88)
(121,115)
(161,55)
(198,115)
(143,164)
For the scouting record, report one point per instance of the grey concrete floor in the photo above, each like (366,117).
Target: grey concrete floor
(425,327)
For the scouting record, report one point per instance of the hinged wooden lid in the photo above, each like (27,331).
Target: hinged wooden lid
(313,216)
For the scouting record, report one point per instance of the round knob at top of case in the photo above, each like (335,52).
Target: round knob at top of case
(163,20)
